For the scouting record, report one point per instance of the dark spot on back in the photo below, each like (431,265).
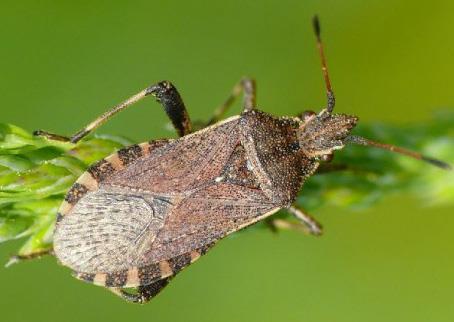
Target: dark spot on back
(149,274)
(153,289)
(76,192)
(130,154)
(154,144)
(203,250)
(117,279)
(101,170)
(86,277)
(179,262)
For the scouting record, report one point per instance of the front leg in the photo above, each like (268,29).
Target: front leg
(164,92)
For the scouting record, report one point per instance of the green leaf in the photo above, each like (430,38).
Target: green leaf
(18,163)
(13,226)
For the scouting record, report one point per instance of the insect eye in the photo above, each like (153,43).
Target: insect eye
(327,157)
(294,146)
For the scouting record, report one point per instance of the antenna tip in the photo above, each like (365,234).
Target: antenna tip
(437,163)
(316,24)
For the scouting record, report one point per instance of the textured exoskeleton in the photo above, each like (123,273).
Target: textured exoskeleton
(142,214)
(137,217)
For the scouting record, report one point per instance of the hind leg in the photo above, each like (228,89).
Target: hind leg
(144,293)
(20,258)
(164,92)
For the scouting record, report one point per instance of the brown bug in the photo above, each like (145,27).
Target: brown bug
(138,217)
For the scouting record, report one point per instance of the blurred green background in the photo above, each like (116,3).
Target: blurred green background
(63,63)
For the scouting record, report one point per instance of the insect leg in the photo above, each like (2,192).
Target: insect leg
(144,293)
(164,92)
(245,85)
(312,226)
(51,136)
(19,258)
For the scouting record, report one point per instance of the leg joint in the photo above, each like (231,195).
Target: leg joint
(160,89)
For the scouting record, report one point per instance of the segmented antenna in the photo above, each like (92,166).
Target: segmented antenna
(329,91)
(366,142)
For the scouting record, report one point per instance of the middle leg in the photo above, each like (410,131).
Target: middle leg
(305,224)
(245,85)
(312,226)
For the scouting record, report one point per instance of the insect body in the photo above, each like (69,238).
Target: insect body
(138,217)
(142,214)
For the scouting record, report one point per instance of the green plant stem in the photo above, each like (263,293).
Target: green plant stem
(35,174)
